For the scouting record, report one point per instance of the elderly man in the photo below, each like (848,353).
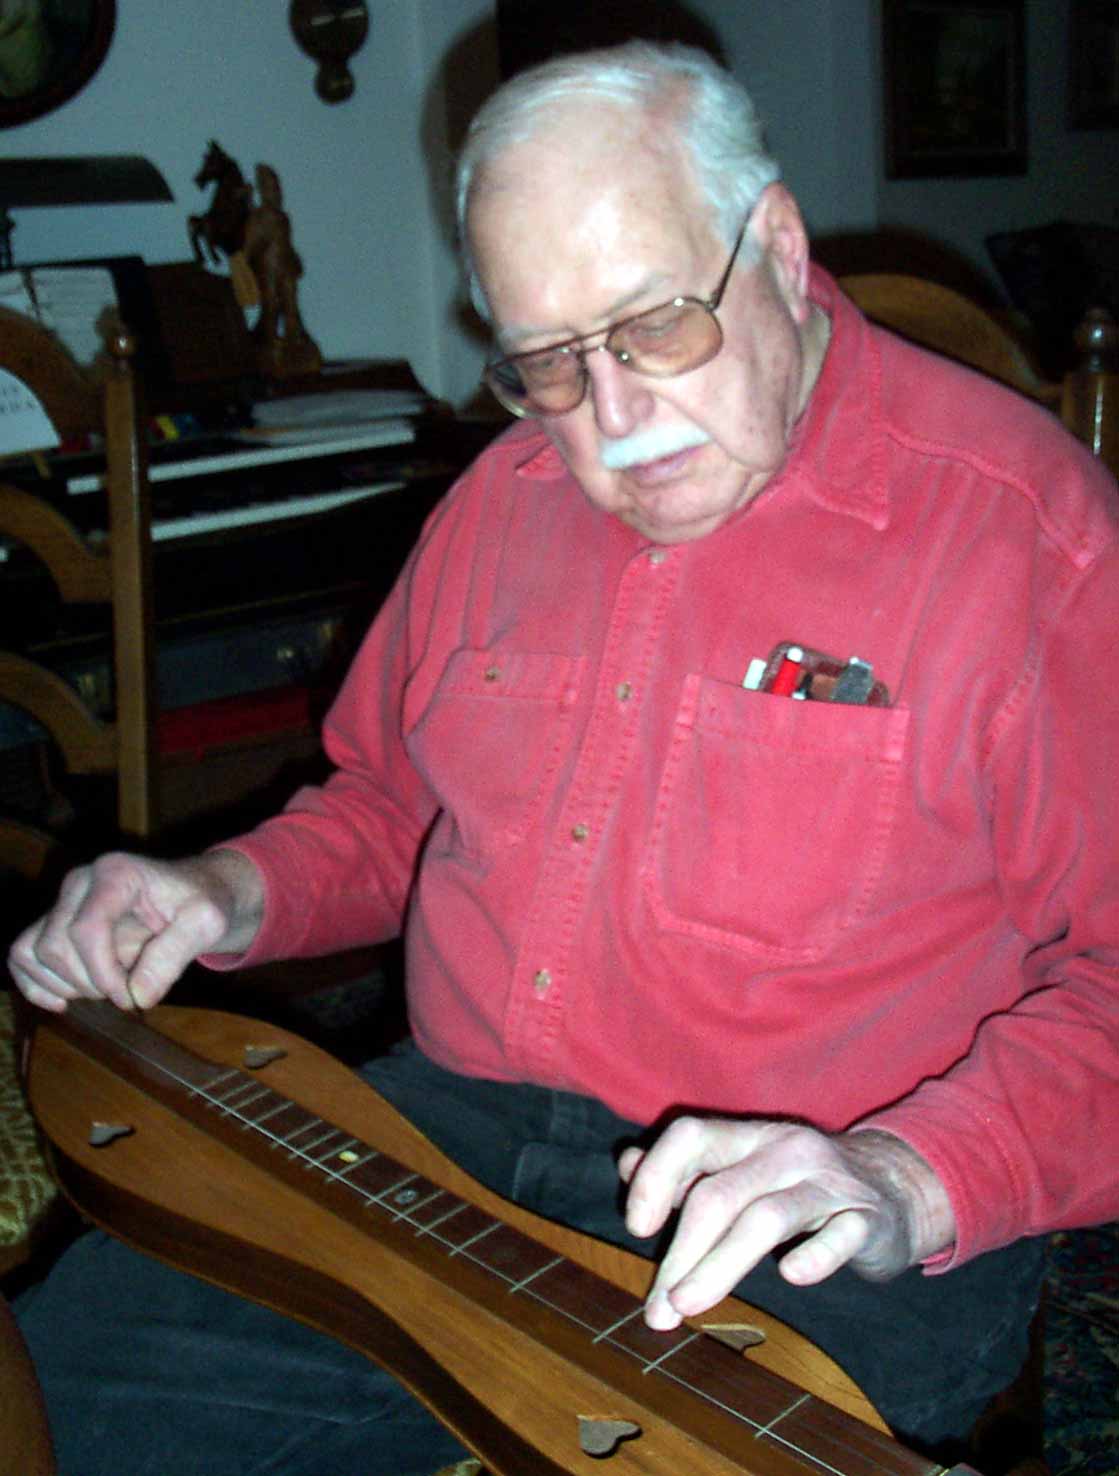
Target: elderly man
(737,749)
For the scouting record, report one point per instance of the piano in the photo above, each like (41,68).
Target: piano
(278,523)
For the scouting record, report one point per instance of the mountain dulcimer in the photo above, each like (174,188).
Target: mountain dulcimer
(246,1156)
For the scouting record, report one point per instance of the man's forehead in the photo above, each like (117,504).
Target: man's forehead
(580,143)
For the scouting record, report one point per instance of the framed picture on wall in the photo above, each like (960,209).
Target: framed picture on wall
(1094,64)
(955,83)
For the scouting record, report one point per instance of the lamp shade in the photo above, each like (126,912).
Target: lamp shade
(88,179)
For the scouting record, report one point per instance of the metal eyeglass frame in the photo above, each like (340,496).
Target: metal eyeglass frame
(710,306)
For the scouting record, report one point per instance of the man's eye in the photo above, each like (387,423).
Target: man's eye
(654,327)
(544,367)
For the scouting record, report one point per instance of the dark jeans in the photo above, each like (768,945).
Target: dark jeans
(149,1372)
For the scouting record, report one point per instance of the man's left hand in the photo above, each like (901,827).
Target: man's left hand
(744,1187)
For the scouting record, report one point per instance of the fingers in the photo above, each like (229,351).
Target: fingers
(746,1188)
(83,939)
(194,928)
(123,930)
(726,1228)
(660,1178)
(838,1241)
(43,962)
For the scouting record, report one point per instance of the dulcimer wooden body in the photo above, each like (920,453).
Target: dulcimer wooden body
(246,1156)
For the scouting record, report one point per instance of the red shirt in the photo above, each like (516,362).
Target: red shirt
(626,875)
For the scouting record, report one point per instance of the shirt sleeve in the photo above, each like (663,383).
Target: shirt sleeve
(1022,1130)
(338,863)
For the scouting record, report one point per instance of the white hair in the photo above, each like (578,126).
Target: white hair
(713,116)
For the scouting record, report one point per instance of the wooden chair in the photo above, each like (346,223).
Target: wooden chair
(27,1449)
(1010,1435)
(116,573)
(942,319)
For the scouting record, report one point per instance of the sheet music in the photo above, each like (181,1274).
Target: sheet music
(24,424)
(71,301)
(336,408)
(15,294)
(66,300)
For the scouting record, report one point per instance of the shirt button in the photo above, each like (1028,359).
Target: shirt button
(658,556)
(623,691)
(579,832)
(492,673)
(542,981)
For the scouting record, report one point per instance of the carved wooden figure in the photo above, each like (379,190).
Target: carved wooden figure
(284,346)
(222,227)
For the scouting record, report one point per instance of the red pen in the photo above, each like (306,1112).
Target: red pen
(789,673)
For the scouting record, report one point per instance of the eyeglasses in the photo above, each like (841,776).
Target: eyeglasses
(663,341)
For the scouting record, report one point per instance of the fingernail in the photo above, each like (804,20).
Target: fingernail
(661,1315)
(637,1216)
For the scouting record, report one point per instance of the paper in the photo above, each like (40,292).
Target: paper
(24,424)
(338,408)
(69,301)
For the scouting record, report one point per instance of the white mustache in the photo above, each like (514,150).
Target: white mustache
(650,445)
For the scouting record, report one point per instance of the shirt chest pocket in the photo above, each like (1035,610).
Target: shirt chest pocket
(773,819)
(490,742)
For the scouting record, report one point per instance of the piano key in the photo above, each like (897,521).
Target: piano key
(382,433)
(192,524)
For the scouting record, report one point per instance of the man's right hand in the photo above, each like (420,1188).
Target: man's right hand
(125,928)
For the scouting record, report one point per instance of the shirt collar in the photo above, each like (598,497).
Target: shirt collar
(838,450)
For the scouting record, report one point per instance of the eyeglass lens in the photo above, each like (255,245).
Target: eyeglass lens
(665,341)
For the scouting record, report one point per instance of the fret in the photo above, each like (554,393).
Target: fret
(432,1211)
(328,1149)
(667,1354)
(583,1298)
(327,1146)
(239,1087)
(634,1336)
(229,1080)
(487,1229)
(314,1135)
(785,1414)
(519,1286)
(845,1445)
(430,1208)
(262,1094)
(375,1178)
(350,1160)
(284,1125)
(465,1229)
(703,1365)
(273,1107)
(607,1333)
(235,1101)
(412,1200)
(510,1255)
(457,1207)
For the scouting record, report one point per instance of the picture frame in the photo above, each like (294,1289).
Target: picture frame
(955,88)
(1094,64)
(48,52)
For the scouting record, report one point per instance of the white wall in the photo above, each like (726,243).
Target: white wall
(809,67)
(378,276)
(815,69)
(1073,173)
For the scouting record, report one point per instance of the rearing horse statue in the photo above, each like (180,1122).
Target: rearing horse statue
(222,227)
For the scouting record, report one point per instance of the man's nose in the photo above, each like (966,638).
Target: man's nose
(622,399)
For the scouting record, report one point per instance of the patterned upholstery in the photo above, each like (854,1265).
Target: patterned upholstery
(26,1187)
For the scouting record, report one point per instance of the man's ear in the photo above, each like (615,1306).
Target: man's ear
(779,230)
